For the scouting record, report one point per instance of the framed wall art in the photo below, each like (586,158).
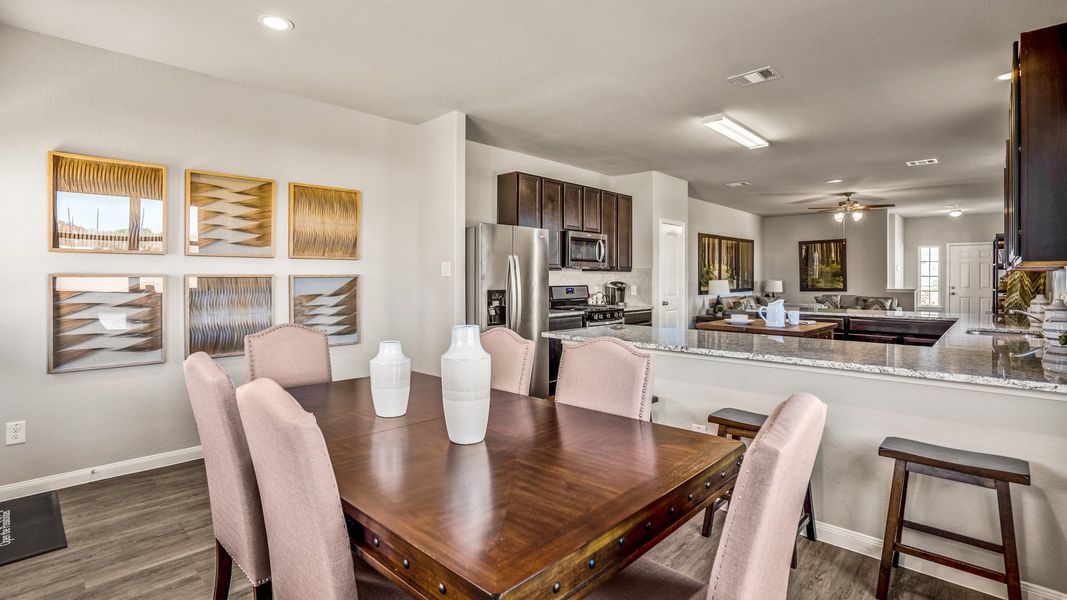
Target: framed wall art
(823,267)
(228,215)
(323,222)
(721,257)
(329,303)
(106,205)
(220,310)
(104,321)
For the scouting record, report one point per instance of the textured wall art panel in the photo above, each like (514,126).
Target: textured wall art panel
(323,222)
(222,309)
(104,321)
(329,303)
(228,215)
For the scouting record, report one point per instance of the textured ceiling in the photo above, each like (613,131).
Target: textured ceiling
(620,86)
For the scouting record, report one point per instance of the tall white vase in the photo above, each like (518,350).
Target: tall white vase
(466,371)
(390,380)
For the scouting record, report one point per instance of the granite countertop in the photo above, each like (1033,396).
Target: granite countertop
(986,357)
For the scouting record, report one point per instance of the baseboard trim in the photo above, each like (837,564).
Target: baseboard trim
(872,546)
(87,475)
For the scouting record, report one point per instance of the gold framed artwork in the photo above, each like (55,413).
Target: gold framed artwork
(220,310)
(228,215)
(106,205)
(329,303)
(822,266)
(323,222)
(104,321)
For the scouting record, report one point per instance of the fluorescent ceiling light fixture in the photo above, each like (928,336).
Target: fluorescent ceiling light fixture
(275,23)
(1003,76)
(735,131)
(834,180)
(839,216)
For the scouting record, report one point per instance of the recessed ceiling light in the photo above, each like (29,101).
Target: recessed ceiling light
(834,180)
(739,184)
(956,212)
(921,162)
(735,131)
(275,23)
(1003,76)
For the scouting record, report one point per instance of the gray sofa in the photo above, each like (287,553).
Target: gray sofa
(846,301)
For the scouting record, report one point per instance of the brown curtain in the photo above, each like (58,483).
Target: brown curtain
(83,176)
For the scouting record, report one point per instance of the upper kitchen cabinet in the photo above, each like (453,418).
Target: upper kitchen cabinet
(625,226)
(609,227)
(518,199)
(1036,202)
(572,207)
(552,218)
(591,210)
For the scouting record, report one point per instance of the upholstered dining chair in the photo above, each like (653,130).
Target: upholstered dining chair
(290,354)
(513,360)
(236,515)
(310,556)
(608,375)
(753,559)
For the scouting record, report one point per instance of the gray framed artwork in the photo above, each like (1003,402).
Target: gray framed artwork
(329,303)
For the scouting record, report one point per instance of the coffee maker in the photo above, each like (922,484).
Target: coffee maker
(615,293)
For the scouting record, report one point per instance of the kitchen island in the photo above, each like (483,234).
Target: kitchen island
(975,389)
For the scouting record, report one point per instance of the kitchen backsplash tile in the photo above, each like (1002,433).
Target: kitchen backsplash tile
(639,279)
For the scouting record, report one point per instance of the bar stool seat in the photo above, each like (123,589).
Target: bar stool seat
(974,468)
(745,424)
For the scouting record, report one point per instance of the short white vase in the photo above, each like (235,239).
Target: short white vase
(390,380)
(466,371)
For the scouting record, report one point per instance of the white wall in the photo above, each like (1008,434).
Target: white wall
(57,95)
(938,231)
(441,151)
(705,217)
(866,255)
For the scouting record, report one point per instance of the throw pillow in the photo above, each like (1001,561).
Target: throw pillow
(829,300)
(762,300)
(878,304)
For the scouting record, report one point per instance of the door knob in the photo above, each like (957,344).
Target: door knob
(665,303)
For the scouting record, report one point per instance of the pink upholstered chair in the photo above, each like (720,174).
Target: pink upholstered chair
(761,527)
(310,556)
(513,358)
(290,354)
(236,515)
(608,375)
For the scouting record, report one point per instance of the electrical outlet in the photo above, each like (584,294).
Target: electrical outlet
(15,433)
(700,428)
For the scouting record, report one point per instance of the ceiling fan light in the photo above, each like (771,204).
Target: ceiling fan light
(857,216)
(839,216)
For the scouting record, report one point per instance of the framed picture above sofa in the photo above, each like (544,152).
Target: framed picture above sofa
(822,266)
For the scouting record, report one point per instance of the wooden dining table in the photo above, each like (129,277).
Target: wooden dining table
(554,502)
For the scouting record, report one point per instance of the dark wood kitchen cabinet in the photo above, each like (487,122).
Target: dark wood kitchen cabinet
(1036,191)
(610,227)
(624,208)
(552,218)
(518,199)
(572,207)
(591,210)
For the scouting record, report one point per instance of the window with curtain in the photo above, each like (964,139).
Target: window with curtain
(929,276)
(721,257)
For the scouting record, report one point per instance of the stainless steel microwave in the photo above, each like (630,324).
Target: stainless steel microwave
(585,250)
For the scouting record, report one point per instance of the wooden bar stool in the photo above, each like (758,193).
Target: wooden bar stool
(984,470)
(737,423)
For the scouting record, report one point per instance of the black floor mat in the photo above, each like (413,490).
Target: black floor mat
(30,526)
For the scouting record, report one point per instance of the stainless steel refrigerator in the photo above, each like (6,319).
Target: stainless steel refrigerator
(507,285)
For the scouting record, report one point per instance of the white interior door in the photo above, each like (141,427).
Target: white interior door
(970,278)
(671,276)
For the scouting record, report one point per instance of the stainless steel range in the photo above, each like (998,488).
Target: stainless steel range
(569,308)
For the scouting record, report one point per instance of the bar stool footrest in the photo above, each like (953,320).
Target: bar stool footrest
(951,562)
(955,537)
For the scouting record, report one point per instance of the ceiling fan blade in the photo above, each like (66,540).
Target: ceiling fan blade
(870,206)
(824,209)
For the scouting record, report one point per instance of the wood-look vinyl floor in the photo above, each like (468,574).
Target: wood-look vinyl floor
(148,535)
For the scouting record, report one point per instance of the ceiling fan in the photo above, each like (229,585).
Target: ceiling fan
(848,207)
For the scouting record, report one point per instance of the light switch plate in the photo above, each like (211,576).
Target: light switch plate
(446,268)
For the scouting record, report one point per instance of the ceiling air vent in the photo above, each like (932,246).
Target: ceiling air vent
(738,184)
(754,77)
(921,163)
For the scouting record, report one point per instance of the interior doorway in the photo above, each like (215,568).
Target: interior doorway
(671,310)
(970,278)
